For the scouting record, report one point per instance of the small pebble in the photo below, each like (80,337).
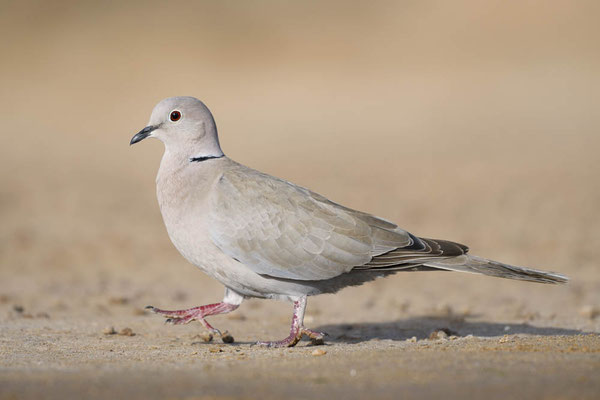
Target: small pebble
(412,340)
(319,352)
(126,332)
(589,311)
(352,372)
(226,337)
(205,336)
(18,308)
(440,334)
(505,339)
(215,350)
(109,330)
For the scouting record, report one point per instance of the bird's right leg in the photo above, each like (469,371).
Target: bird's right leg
(231,301)
(297,330)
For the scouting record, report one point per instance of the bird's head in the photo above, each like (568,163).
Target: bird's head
(184,124)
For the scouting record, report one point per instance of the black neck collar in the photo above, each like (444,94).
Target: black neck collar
(204,158)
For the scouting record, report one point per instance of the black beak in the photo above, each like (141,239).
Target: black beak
(143,134)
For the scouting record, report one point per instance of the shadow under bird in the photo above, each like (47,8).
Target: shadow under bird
(264,237)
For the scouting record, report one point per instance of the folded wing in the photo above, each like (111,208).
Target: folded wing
(282,230)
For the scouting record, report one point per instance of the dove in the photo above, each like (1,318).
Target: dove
(264,237)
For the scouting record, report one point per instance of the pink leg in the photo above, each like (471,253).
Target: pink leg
(231,301)
(179,317)
(297,329)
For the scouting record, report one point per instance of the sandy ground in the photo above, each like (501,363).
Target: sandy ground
(467,122)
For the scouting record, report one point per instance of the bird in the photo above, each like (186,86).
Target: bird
(264,237)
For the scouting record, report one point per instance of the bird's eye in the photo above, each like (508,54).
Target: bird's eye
(175,116)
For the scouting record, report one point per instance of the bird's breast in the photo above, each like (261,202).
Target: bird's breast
(182,194)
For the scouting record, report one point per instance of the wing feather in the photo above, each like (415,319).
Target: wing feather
(282,230)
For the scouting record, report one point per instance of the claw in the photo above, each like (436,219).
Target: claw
(287,342)
(316,338)
(149,307)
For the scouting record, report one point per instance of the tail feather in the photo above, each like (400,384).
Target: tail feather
(479,265)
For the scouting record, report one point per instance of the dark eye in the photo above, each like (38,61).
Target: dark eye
(175,116)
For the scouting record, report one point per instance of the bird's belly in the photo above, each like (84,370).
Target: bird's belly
(195,245)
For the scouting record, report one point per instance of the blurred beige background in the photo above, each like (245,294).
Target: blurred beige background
(474,121)
(471,121)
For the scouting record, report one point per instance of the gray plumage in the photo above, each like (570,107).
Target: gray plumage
(265,237)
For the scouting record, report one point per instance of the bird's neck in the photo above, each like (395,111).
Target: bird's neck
(193,150)
(178,179)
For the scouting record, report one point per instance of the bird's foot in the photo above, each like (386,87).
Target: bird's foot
(316,338)
(181,317)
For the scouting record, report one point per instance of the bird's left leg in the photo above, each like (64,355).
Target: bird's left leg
(231,301)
